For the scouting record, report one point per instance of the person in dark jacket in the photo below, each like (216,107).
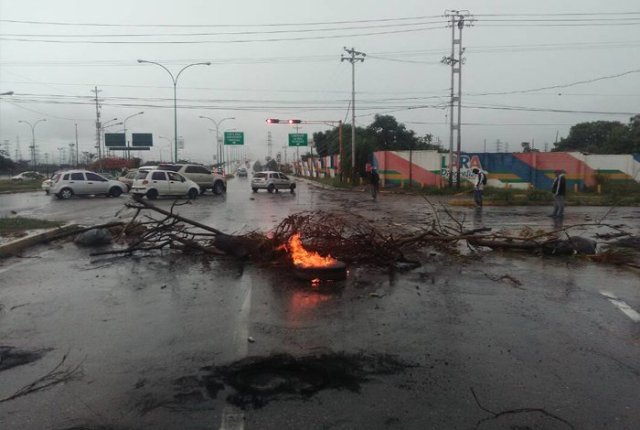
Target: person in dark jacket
(375,183)
(559,190)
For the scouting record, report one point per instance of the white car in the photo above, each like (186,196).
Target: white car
(82,182)
(271,181)
(157,183)
(26,176)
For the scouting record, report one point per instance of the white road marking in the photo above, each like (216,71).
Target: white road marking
(233,417)
(625,308)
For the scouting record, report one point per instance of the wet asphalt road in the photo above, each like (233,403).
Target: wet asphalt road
(552,353)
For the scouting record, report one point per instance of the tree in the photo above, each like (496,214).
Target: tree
(389,135)
(257,166)
(6,164)
(272,164)
(603,137)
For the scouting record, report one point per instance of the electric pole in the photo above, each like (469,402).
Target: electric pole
(98,127)
(353,58)
(458,19)
(18,156)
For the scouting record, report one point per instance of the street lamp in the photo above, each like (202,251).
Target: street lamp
(8,93)
(124,122)
(220,153)
(175,103)
(106,125)
(33,139)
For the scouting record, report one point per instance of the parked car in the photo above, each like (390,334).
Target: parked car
(242,172)
(271,181)
(26,176)
(205,178)
(82,182)
(128,178)
(158,183)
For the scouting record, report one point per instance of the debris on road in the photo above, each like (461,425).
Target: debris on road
(346,236)
(95,237)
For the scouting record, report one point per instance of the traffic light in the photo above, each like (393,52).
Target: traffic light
(273,121)
(294,121)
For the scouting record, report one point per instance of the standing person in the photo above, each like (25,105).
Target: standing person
(375,183)
(559,189)
(478,187)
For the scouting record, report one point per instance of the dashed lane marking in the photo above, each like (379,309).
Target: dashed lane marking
(625,308)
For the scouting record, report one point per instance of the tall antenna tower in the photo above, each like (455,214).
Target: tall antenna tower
(18,156)
(98,126)
(458,19)
(269,144)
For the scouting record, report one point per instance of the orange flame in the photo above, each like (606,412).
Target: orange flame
(303,258)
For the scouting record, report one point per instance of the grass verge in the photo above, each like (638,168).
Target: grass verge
(10,226)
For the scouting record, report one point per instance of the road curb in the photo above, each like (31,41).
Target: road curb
(14,247)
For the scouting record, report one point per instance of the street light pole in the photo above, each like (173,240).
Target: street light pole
(124,126)
(33,139)
(220,152)
(175,99)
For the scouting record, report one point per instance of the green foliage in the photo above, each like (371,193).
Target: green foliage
(14,224)
(603,137)
(17,187)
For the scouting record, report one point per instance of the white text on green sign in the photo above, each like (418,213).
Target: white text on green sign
(234,138)
(297,139)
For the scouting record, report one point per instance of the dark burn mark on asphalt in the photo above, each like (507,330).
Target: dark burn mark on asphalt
(12,357)
(256,381)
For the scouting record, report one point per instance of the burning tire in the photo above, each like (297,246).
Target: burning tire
(334,272)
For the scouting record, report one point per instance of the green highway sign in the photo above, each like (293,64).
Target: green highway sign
(234,138)
(298,139)
(129,148)
(114,139)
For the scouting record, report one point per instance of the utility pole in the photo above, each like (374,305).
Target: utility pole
(98,127)
(458,19)
(18,156)
(353,58)
(77,151)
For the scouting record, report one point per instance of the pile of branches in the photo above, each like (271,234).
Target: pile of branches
(346,236)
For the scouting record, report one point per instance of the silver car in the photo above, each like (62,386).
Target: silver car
(82,182)
(271,181)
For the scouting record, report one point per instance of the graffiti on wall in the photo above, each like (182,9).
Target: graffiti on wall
(517,170)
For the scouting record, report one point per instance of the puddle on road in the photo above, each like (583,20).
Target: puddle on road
(256,381)
(12,357)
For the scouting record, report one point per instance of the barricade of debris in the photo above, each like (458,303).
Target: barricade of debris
(351,238)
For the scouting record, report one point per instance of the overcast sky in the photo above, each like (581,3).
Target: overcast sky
(281,59)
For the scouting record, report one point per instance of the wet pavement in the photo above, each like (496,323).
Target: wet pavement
(177,341)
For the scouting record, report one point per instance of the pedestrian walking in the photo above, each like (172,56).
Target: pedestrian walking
(478,187)
(375,183)
(559,189)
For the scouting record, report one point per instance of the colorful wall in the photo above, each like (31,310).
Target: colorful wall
(515,170)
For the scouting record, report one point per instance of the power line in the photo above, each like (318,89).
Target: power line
(187,42)
(297,24)
(227,33)
(570,84)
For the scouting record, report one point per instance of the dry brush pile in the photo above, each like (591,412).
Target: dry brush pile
(351,238)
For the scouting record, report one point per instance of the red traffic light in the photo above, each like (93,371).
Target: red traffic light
(294,121)
(273,121)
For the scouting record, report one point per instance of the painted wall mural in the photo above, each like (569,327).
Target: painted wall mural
(516,170)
